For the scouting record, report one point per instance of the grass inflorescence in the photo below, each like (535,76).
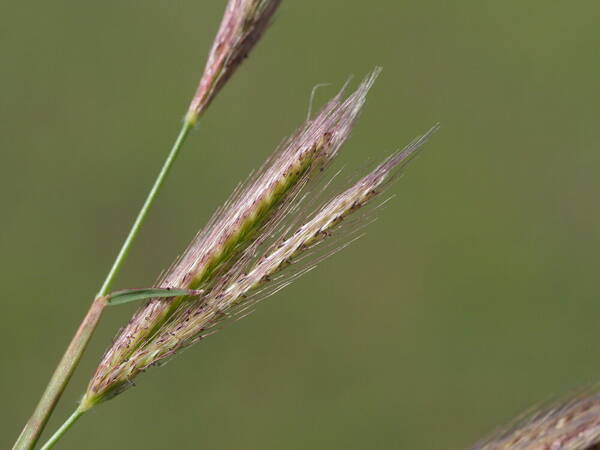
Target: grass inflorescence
(235,232)
(572,424)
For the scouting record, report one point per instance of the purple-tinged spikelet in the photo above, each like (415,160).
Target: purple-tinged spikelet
(243,24)
(571,425)
(241,224)
(194,320)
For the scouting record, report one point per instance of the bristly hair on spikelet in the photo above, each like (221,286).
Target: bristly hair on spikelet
(243,223)
(194,320)
(573,424)
(242,26)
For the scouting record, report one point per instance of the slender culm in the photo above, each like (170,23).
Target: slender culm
(243,24)
(193,321)
(571,425)
(242,222)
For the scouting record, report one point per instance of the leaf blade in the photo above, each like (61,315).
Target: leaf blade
(131,295)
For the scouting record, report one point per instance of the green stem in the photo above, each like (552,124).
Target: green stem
(135,228)
(34,427)
(63,429)
(60,377)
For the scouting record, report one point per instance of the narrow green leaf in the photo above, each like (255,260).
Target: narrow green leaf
(132,295)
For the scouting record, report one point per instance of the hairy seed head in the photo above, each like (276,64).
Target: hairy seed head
(191,323)
(243,24)
(572,425)
(243,222)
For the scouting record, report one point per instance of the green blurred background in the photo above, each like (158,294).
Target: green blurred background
(473,296)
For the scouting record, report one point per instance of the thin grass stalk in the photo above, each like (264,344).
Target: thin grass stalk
(32,430)
(68,363)
(243,24)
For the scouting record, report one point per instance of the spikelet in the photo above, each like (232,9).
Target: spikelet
(242,26)
(571,425)
(192,321)
(244,221)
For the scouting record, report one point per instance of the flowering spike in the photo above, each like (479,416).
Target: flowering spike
(192,321)
(242,26)
(242,224)
(571,425)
